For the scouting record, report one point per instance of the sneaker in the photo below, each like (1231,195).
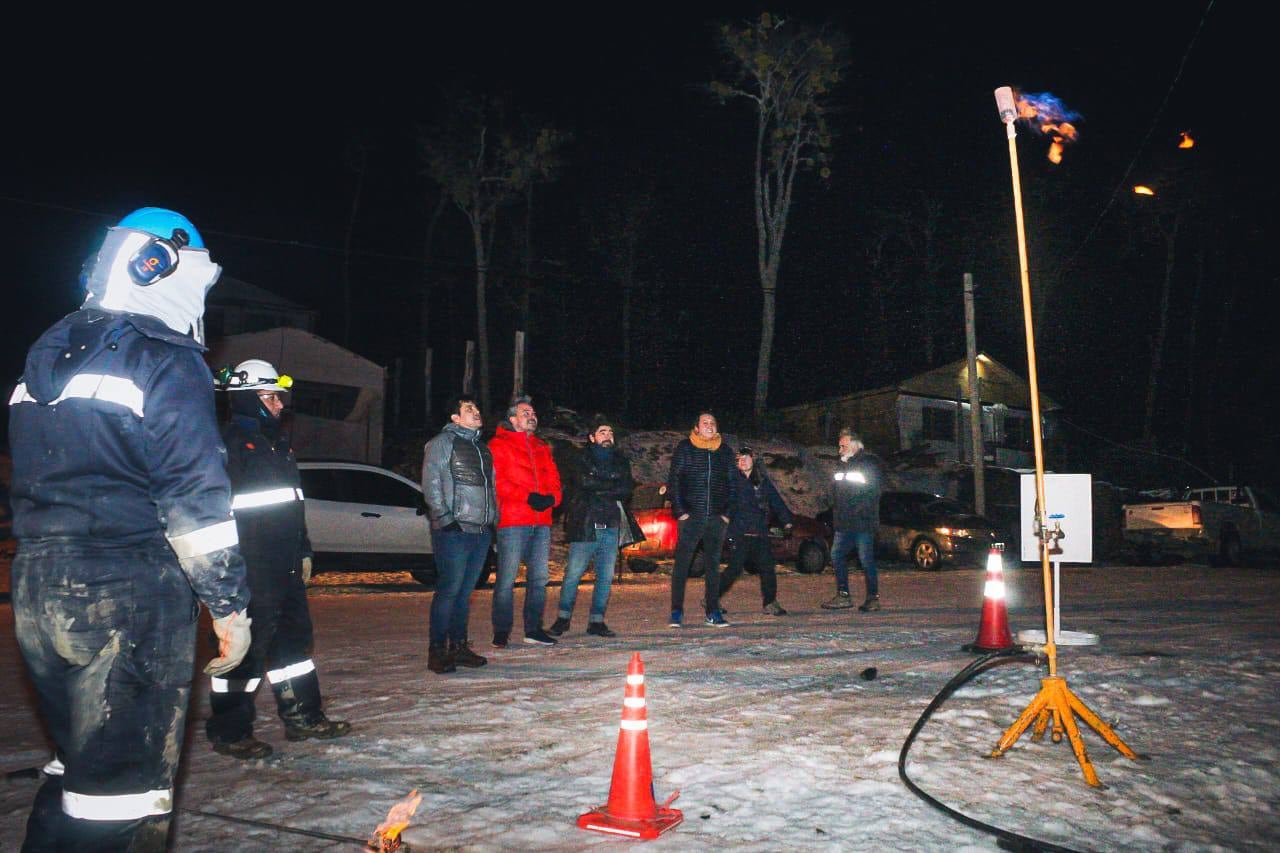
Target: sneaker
(599,629)
(872,603)
(464,656)
(244,749)
(440,659)
(558,627)
(773,608)
(839,601)
(724,611)
(539,637)
(677,616)
(716,619)
(322,728)
(500,639)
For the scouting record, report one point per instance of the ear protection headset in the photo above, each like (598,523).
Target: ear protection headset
(157,258)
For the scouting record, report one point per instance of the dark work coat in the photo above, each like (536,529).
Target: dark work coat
(602,487)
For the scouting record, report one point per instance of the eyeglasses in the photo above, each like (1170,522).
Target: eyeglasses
(270,395)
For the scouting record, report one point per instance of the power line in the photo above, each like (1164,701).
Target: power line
(1124,179)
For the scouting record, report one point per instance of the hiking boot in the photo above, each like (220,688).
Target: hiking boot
(599,629)
(464,656)
(244,749)
(871,604)
(321,728)
(500,639)
(539,637)
(716,619)
(677,616)
(839,601)
(440,659)
(773,608)
(558,627)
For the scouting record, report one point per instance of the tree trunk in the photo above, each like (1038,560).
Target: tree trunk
(482,314)
(424,316)
(1162,328)
(767,314)
(627,287)
(346,259)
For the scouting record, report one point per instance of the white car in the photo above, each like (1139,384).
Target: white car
(365,518)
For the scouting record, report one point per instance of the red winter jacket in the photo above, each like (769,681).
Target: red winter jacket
(522,464)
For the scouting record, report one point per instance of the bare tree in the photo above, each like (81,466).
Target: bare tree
(482,166)
(787,70)
(358,162)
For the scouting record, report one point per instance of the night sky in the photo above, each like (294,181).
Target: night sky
(244,123)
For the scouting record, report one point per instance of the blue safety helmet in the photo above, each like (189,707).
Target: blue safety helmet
(164,224)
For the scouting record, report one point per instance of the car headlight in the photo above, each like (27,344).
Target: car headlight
(959,532)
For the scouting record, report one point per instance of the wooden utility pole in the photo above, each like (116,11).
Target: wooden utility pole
(975,402)
(469,370)
(426,385)
(517,383)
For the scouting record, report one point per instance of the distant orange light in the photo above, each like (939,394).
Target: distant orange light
(1186,141)
(1141,190)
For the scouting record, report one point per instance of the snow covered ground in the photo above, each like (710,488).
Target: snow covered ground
(766,728)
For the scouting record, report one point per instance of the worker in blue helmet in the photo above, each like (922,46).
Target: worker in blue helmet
(122,512)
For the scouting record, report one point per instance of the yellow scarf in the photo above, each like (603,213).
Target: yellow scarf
(701,443)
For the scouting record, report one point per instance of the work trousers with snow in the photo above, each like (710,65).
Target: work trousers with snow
(709,532)
(754,551)
(281,639)
(108,635)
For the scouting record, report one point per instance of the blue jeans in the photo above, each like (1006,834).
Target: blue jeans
(532,544)
(459,558)
(605,553)
(845,543)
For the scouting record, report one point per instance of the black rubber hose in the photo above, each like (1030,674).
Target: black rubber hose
(262,824)
(1008,840)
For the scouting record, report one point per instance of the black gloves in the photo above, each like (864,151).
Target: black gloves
(539,501)
(452,527)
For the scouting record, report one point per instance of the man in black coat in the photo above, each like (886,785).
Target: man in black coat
(698,486)
(597,522)
(754,498)
(266,496)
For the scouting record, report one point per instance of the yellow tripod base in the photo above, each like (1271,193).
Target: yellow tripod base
(1056,701)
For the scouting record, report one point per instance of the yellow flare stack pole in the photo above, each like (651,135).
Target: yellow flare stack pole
(1055,702)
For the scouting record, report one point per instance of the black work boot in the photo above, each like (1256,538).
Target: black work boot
(246,748)
(320,728)
(440,659)
(871,605)
(464,656)
(558,627)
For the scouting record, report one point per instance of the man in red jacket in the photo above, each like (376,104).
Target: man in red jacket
(528,486)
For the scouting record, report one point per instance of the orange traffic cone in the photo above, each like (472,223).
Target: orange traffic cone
(631,811)
(993,632)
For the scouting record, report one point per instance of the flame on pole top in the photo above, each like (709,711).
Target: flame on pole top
(1044,112)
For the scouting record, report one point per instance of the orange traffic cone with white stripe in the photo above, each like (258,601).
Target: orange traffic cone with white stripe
(631,811)
(993,631)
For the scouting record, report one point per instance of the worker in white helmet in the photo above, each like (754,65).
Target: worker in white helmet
(267,499)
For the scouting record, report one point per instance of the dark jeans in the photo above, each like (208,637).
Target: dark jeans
(709,531)
(845,543)
(604,552)
(108,635)
(281,633)
(532,544)
(752,551)
(459,558)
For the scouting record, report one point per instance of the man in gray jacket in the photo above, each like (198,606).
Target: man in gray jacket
(457,482)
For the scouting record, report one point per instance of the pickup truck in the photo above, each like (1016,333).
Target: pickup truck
(1221,523)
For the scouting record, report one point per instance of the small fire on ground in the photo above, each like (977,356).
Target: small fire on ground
(386,838)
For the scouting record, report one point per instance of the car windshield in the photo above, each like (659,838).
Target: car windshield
(945,506)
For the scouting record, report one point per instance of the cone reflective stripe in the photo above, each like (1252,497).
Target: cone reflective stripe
(631,811)
(993,632)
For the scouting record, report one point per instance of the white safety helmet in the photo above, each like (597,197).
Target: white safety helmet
(253,375)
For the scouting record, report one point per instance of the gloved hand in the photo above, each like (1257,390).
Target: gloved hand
(306,570)
(452,527)
(540,501)
(233,635)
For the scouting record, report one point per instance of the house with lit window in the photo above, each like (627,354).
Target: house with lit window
(930,414)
